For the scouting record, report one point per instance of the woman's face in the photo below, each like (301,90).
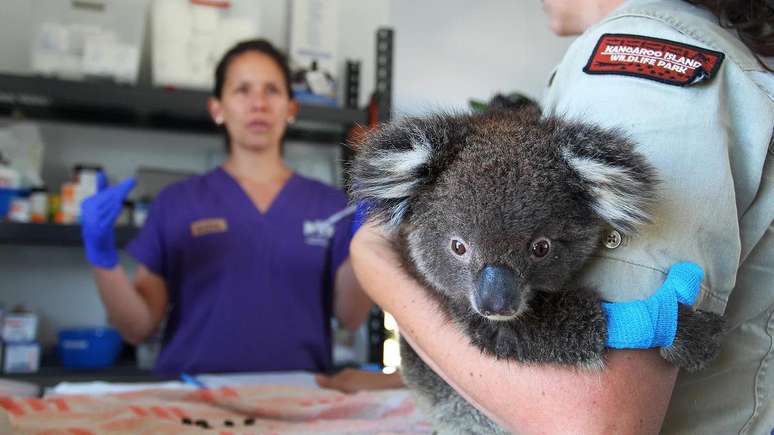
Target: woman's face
(254,104)
(573,17)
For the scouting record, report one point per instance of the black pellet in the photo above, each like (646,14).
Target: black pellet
(202,423)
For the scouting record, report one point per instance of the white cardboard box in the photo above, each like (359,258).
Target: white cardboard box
(188,38)
(20,327)
(21,357)
(100,38)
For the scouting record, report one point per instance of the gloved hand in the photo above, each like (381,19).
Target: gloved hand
(98,216)
(652,322)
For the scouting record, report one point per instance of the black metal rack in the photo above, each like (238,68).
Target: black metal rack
(54,234)
(96,102)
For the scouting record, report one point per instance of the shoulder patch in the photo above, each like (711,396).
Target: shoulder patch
(664,61)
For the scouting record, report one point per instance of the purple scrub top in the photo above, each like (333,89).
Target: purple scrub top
(248,291)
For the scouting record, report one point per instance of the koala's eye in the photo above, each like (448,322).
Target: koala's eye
(540,247)
(458,247)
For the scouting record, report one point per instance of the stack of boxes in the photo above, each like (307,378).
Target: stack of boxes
(21,352)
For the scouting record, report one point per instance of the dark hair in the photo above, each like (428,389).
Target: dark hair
(513,101)
(753,21)
(260,46)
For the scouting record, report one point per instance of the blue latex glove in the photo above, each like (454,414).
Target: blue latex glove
(98,216)
(652,322)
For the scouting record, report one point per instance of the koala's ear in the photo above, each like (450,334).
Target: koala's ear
(397,160)
(619,181)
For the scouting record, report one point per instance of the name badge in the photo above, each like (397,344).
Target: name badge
(202,227)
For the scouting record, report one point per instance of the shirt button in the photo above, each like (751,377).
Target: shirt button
(613,239)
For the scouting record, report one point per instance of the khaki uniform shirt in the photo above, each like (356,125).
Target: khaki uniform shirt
(711,144)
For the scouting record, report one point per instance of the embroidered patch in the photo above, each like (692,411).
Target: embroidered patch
(656,59)
(203,227)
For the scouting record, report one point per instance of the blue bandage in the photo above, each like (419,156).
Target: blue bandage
(652,322)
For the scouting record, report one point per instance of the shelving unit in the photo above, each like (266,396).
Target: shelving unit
(54,234)
(100,103)
(50,375)
(94,102)
(146,107)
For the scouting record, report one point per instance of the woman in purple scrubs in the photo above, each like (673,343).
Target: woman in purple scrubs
(247,262)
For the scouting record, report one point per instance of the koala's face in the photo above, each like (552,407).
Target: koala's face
(492,208)
(495,227)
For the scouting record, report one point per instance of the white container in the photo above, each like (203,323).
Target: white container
(147,352)
(19,210)
(85,186)
(88,38)
(314,30)
(21,357)
(9,177)
(20,327)
(69,206)
(188,38)
(38,206)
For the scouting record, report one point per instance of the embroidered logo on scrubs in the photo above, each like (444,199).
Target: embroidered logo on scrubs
(656,59)
(202,227)
(319,232)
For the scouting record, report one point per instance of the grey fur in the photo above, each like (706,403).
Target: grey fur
(501,183)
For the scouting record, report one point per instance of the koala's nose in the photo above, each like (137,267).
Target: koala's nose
(497,296)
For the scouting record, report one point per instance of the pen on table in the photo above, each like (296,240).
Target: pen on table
(191,380)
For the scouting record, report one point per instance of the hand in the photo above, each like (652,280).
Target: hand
(353,380)
(98,215)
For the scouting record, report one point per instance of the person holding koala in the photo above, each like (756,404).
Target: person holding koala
(247,262)
(698,104)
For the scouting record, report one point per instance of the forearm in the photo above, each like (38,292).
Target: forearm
(629,396)
(353,380)
(127,310)
(350,303)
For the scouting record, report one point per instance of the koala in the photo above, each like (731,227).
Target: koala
(495,214)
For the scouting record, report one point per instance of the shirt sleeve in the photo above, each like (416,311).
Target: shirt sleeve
(685,133)
(148,247)
(341,239)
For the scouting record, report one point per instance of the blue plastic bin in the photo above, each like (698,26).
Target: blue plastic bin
(89,348)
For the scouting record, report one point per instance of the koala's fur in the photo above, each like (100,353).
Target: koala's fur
(503,184)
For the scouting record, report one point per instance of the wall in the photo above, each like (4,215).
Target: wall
(447,51)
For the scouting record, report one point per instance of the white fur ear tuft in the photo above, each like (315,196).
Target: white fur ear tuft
(391,175)
(621,195)
(398,168)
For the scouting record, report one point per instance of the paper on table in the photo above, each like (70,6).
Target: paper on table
(299,379)
(101,387)
(214,380)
